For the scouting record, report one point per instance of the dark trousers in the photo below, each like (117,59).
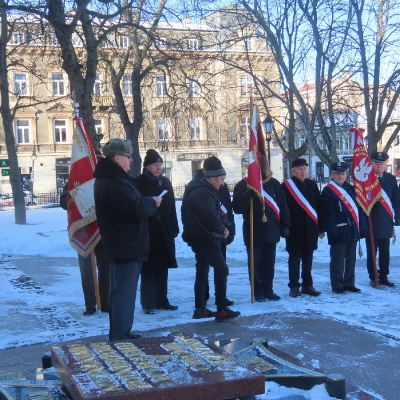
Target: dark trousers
(306,259)
(384,257)
(123,287)
(264,267)
(103,276)
(343,263)
(208,253)
(153,286)
(223,250)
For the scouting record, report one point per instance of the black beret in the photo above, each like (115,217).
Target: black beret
(299,163)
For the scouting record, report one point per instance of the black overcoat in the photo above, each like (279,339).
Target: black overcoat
(382,224)
(304,231)
(163,226)
(264,232)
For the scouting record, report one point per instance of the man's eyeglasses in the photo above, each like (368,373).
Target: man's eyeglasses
(128,156)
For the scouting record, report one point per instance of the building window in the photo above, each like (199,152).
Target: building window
(163,128)
(127,85)
(126,41)
(60,130)
(21,84)
(161,43)
(193,44)
(97,86)
(98,126)
(248,43)
(194,86)
(18,38)
(22,129)
(58,83)
(161,85)
(247,88)
(195,128)
(53,39)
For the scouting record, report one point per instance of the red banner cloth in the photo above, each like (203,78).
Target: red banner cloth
(366,185)
(83,229)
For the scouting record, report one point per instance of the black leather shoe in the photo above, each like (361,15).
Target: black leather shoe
(294,292)
(338,291)
(148,311)
(131,335)
(310,291)
(89,311)
(229,302)
(372,283)
(386,282)
(352,289)
(169,307)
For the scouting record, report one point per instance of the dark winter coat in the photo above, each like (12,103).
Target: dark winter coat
(264,232)
(163,225)
(382,224)
(303,236)
(340,225)
(122,213)
(201,213)
(225,199)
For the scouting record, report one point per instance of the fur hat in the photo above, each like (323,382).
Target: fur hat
(213,167)
(299,163)
(379,156)
(339,167)
(152,157)
(117,146)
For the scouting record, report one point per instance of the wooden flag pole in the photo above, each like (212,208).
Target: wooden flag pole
(251,252)
(373,254)
(96,283)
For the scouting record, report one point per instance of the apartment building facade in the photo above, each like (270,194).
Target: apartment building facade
(197,107)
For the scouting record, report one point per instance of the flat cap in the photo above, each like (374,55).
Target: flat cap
(379,156)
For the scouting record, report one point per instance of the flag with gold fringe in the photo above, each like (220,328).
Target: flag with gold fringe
(258,171)
(366,185)
(83,229)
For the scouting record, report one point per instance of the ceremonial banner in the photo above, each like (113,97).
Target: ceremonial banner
(83,230)
(366,185)
(258,171)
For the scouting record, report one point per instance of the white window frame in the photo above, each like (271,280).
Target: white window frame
(163,129)
(193,44)
(126,41)
(161,85)
(60,131)
(195,125)
(194,86)
(244,121)
(58,85)
(248,43)
(127,85)
(18,38)
(247,87)
(97,86)
(21,84)
(23,131)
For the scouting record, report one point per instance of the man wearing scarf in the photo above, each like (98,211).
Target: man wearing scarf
(163,229)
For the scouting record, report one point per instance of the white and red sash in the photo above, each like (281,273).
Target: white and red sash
(387,204)
(346,200)
(271,203)
(301,200)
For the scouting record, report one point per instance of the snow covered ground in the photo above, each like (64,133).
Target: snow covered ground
(45,235)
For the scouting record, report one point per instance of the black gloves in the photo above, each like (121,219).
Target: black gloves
(284,232)
(247,194)
(229,239)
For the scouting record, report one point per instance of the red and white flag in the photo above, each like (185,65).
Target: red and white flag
(366,185)
(258,171)
(83,229)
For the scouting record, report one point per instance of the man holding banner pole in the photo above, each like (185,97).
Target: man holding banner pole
(384,215)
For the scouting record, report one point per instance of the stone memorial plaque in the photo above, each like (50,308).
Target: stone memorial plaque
(173,367)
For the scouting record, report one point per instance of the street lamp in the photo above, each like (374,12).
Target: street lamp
(33,158)
(268,125)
